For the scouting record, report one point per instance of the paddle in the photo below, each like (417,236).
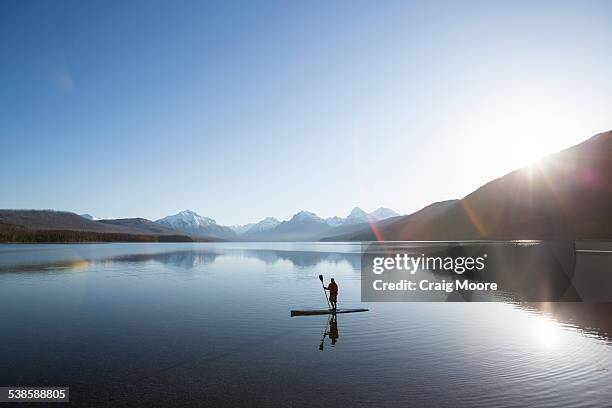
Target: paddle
(321,279)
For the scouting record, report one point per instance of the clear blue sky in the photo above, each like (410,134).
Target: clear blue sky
(240,110)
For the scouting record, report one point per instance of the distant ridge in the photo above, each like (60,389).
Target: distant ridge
(61,226)
(50,219)
(140,226)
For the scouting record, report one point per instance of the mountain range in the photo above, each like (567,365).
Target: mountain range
(303,226)
(61,226)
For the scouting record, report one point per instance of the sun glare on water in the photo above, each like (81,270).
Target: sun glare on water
(545,332)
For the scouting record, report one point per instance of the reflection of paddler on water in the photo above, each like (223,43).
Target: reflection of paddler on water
(333,329)
(332,323)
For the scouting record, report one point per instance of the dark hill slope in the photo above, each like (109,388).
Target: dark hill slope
(567,195)
(54,220)
(141,226)
(60,226)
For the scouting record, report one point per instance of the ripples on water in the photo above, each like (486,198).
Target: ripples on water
(208,324)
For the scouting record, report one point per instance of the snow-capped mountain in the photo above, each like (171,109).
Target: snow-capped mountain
(193,223)
(186,219)
(88,217)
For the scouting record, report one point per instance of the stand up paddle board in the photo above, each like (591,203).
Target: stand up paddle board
(324,312)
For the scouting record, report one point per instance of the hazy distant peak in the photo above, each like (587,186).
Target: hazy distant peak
(334,221)
(88,217)
(356,216)
(383,213)
(306,215)
(241,229)
(266,224)
(357,212)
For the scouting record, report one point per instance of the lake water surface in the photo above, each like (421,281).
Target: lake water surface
(209,325)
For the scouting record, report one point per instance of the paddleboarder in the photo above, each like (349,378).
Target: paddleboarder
(333,293)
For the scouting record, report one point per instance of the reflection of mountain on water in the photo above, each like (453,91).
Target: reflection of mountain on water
(182,259)
(191,259)
(304,259)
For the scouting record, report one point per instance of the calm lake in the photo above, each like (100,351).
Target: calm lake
(209,325)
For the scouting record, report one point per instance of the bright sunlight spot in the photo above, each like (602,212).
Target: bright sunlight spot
(545,331)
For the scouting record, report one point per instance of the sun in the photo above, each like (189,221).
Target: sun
(524,124)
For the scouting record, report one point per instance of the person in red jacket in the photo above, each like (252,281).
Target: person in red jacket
(333,293)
